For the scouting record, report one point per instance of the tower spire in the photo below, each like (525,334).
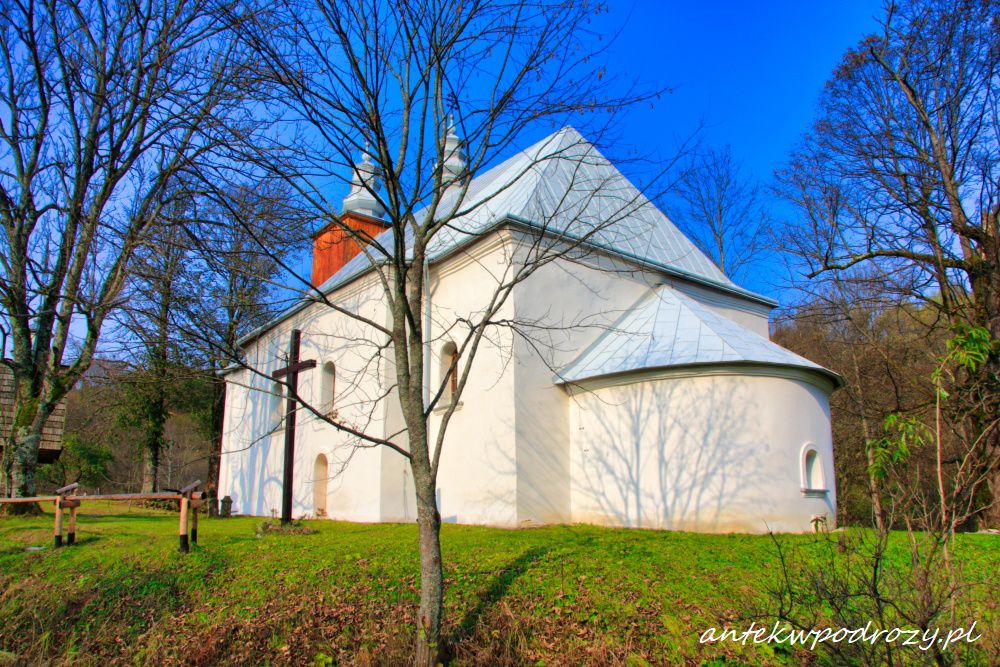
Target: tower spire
(364,183)
(454,154)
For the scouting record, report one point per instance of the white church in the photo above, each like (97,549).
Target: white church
(649,394)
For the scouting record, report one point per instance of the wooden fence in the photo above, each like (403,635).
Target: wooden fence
(67,502)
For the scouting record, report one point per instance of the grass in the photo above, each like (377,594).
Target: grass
(346,594)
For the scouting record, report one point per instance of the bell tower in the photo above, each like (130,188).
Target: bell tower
(339,241)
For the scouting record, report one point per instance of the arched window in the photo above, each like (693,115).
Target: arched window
(813,477)
(449,371)
(320,478)
(277,404)
(328,389)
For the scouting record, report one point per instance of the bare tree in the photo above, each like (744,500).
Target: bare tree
(103,106)
(199,281)
(724,210)
(900,174)
(863,579)
(154,293)
(385,79)
(885,355)
(233,240)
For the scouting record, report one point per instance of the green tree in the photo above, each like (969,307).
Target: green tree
(81,461)
(899,176)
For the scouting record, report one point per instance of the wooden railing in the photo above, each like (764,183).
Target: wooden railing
(67,501)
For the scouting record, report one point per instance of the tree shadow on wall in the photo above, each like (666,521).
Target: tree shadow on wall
(655,462)
(255,427)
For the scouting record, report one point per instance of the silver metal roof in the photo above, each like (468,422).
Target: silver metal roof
(668,329)
(562,185)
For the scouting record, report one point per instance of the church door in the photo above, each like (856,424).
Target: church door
(320,475)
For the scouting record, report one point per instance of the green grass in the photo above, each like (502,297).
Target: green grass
(554,595)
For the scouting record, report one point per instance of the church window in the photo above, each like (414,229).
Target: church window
(813,477)
(276,394)
(328,389)
(320,478)
(449,371)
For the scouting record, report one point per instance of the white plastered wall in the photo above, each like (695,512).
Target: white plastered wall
(252,464)
(707,451)
(564,307)
(477,477)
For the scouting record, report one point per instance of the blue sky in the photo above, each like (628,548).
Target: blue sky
(752,71)
(748,73)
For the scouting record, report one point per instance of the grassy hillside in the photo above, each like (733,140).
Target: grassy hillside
(555,595)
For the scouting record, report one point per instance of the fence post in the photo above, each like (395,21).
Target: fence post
(194,523)
(71,505)
(71,532)
(182,532)
(57,532)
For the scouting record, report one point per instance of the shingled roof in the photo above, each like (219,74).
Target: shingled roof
(50,445)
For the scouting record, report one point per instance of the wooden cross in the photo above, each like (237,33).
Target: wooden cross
(292,372)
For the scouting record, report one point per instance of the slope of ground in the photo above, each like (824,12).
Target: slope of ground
(346,594)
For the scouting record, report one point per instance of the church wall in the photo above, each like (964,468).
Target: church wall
(707,452)
(513,446)
(571,304)
(354,483)
(476,479)
(253,476)
(250,470)
(753,316)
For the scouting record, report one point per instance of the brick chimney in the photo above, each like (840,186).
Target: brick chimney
(333,245)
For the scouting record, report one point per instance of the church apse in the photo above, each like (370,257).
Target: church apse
(712,453)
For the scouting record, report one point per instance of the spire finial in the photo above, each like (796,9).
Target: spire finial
(454,156)
(364,183)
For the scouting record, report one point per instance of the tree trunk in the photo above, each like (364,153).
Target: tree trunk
(873,489)
(24,437)
(431,575)
(992,516)
(218,416)
(25,463)
(150,466)
(29,420)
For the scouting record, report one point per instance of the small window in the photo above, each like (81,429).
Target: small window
(277,405)
(320,473)
(449,372)
(813,477)
(328,389)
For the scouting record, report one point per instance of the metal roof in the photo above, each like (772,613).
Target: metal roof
(667,329)
(563,186)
